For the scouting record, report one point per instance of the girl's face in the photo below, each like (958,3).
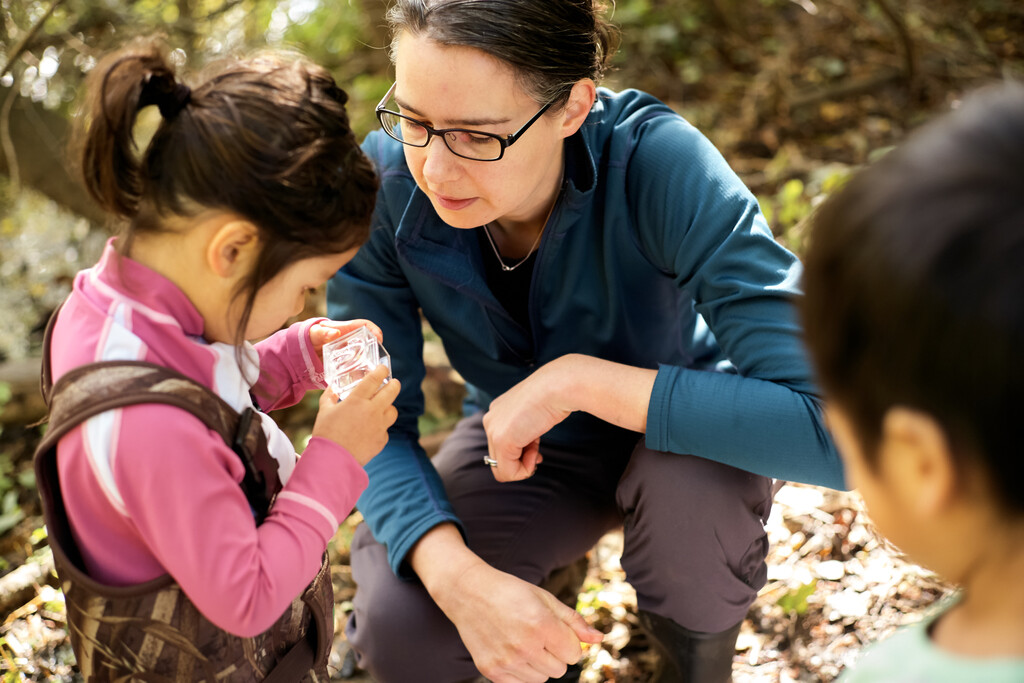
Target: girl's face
(284,295)
(461,87)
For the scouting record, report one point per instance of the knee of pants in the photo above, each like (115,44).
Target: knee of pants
(694,533)
(395,626)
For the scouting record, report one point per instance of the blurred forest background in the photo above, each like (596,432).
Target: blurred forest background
(797,94)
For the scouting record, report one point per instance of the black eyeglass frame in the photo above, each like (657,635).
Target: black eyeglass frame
(505,141)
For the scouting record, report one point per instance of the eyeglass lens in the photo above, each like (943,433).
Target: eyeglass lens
(465,143)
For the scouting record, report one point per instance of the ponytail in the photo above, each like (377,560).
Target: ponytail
(266,138)
(117,89)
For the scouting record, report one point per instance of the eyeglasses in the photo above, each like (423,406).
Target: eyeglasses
(468,144)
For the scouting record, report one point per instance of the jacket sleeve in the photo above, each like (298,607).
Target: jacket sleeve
(698,222)
(242,577)
(289,367)
(405,497)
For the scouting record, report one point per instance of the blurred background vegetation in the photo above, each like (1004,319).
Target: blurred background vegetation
(795,93)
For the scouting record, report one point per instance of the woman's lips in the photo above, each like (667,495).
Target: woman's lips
(452,204)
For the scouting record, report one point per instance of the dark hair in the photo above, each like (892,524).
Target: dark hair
(914,281)
(267,138)
(550,44)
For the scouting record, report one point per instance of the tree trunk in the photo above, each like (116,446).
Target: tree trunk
(41,162)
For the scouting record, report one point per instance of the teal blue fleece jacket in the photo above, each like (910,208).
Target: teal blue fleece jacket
(656,255)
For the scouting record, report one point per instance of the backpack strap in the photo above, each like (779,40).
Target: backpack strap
(89,390)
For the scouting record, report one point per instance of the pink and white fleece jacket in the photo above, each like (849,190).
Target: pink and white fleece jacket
(150,490)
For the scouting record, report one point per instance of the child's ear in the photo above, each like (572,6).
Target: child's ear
(233,248)
(577,108)
(918,460)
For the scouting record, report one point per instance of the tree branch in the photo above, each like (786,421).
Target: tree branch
(23,45)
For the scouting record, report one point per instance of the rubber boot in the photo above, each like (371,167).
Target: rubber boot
(689,656)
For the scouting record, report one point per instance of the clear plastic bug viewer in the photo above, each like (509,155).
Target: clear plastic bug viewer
(351,357)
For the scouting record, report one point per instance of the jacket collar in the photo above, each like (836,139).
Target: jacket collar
(149,293)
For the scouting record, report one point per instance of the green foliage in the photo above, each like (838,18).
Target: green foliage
(13,478)
(69,41)
(672,41)
(41,249)
(10,512)
(7,481)
(789,208)
(795,600)
(38,536)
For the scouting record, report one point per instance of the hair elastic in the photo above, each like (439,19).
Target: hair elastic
(173,101)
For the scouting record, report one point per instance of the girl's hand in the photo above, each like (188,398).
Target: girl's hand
(327,331)
(360,422)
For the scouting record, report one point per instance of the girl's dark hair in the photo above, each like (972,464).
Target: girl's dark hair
(267,138)
(550,44)
(914,280)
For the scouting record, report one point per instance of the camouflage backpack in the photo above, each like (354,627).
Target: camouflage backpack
(152,631)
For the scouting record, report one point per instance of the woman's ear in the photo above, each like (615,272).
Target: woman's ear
(917,459)
(577,108)
(233,248)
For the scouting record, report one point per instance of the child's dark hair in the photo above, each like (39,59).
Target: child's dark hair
(914,281)
(267,138)
(550,44)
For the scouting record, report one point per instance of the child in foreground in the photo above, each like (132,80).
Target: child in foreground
(914,315)
(251,193)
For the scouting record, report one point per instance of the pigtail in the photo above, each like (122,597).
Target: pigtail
(116,90)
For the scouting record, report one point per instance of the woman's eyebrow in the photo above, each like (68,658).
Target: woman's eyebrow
(454,122)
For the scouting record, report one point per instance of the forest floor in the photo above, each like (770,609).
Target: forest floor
(833,587)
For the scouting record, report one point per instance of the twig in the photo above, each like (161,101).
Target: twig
(845,89)
(7,144)
(21,585)
(23,45)
(5,117)
(909,56)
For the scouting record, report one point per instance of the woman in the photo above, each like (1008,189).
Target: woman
(624,321)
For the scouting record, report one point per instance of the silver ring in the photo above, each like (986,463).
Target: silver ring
(488,460)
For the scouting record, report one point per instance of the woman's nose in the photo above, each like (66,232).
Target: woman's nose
(440,164)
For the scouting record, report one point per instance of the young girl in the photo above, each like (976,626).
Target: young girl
(251,193)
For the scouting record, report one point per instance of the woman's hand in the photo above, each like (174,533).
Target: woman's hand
(360,422)
(515,631)
(327,331)
(516,420)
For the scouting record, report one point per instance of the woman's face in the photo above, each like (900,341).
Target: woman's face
(461,87)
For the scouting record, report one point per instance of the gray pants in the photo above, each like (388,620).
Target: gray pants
(694,534)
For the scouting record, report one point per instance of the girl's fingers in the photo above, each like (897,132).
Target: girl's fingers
(367,387)
(336,328)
